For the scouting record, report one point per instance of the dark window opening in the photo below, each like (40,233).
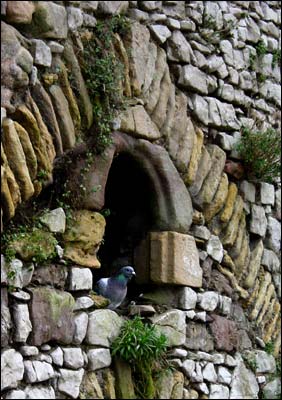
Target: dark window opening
(128,197)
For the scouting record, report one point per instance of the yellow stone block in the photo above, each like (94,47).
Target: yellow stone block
(270,328)
(30,155)
(232,227)
(269,294)
(16,158)
(195,157)
(261,296)
(230,203)
(254,264)
(243,260)
(219,200)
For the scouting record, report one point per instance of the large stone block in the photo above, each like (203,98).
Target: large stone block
(168,257)
(51,315)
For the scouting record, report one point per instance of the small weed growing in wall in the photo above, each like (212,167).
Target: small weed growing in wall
(260,48)
(261,153)
(104,73)
(276,58)
(269,347)
(143,348)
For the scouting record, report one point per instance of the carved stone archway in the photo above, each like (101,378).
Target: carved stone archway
(168,255)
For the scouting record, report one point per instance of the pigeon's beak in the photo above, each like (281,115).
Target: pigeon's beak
(133,273)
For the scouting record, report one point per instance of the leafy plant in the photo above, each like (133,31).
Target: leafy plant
(261,153)
(104,73)
(260,48)
(140,345)
(276,59)
(269,347)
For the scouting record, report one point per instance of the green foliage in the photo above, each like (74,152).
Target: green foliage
(104,73)
(140,345)
(260,48)
(269,347)
(42,175)
(276,59)
(261,153)
(261,77)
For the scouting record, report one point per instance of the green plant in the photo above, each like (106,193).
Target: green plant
(276,58)
(104,74)
(42,175)
(261,77)
(269,347)
(261,153)
(260,47)
(143,348)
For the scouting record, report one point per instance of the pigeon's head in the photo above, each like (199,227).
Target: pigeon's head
(127,272)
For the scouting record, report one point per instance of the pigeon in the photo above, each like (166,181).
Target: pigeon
(115,287)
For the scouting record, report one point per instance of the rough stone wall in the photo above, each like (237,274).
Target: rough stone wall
(195,77)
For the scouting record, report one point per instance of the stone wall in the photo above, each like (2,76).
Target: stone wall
(194,75)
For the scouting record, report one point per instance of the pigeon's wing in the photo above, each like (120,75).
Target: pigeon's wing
(102,286)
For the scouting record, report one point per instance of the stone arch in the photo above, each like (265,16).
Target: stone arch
(165,253)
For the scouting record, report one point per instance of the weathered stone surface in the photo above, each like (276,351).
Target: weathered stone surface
(198,338)
(267,193)
(201,232)
(16,158)
(90,388)
(164,385)
(215,248)
(83,238)
(208,301)
(73,357)
(18,12)
(230,203)
(29,153)
(220,198)
(5,315)
(173,258)
(16,394)
(112,7)
(160,32)
(137,122)
(41,53)
(75,18)
(172,324)
(22,322)
(39,392)
(98,358)
(37,371)
(203,170)
(55,220)
(178,48)
(270,260)
(278,204)
(182,135)
(219,392)
(103,327)
(63,116)
(49,21)
(224,376)
(80,279)
(80,323)
(187,299)
(254,264)
(124,381)
(84,102)
(12,368)
(244,384)
(69,382)
(258,223)
(83,303)
(209,373)
(195,157)
(45,106)
(51,316)
(57,356)
(212,180)
(265,363)
(273,234)
(55,275)
(271,389)
(194,79)
(224,332)
(249,191)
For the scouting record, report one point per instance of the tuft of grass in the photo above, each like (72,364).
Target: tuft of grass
(261,154)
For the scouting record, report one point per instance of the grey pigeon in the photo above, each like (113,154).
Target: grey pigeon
(115,287)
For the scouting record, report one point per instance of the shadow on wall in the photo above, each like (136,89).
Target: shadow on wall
(129,205)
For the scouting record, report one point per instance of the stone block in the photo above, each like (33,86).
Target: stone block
(80,279)
(41,53)
(12,369)
(51,315)
(69,382)
(55,220)
(267,193)
(258,222)
(168,258)
(103,327)
(98,358)
(198,338)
